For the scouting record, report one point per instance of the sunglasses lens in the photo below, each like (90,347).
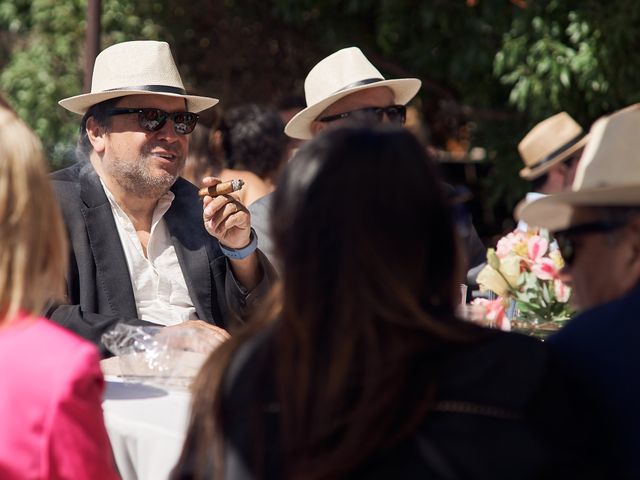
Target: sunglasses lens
(396,114)
(185,122)
(152,119)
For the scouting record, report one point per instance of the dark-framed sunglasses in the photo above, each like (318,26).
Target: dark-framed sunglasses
(395,113)
(565,238)
(153,119)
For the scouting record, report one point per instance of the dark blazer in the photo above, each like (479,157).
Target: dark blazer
(599,353)
(99,289)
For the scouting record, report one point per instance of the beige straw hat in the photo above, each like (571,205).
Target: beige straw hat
(338,75)
(608,173)
(549,143)
(135,68)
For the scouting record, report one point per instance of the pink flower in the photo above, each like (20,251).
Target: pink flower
(494,313)
(507,245)
(545,269)
(536,248)
(561,290)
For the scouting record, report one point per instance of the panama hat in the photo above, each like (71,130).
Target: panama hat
(549,143)
(135,68)
(338,75)
(608,173)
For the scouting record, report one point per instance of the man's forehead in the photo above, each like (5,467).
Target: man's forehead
(584,214)
(164,102)
(371,97)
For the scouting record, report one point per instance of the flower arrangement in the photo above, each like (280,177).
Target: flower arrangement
(523,271)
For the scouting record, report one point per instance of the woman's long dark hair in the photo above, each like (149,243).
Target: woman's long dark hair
(370,283)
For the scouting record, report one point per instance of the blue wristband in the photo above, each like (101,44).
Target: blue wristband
(244,252)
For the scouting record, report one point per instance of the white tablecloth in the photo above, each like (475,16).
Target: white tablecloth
(146,426)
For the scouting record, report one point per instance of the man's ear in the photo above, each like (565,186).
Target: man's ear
(316,127)
(96,134)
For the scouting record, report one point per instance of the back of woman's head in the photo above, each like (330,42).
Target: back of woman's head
(33,250)
(370,280)
(361,218)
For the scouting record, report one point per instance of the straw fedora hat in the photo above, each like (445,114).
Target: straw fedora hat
(549,143)
(608,173)
(135,68)
(338,75)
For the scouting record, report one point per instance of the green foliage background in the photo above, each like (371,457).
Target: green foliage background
(490,68)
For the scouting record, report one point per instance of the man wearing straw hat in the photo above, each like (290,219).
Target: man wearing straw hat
(551,152)
(345,87)
(144,251)
(597,227)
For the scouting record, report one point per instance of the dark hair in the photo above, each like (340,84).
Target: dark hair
(370,283)
(102,118)
(253,139)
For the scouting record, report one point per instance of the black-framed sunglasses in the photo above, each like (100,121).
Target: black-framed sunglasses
(395,113)
(153,119)
(565,238)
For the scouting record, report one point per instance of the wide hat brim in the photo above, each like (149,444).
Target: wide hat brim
(81,103)
(532,173)
(554,212)
(299,126)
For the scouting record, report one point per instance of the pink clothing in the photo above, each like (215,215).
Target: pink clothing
(51,424)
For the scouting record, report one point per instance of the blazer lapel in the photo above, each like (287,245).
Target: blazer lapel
(111,264)
(189,238)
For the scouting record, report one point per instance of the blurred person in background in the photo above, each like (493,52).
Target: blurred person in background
(360,368)
(252,138)
(205,160)
(51,423)
(551,152)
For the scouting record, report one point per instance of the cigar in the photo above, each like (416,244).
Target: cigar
(221,188)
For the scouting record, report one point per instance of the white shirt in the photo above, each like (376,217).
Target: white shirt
(159,286)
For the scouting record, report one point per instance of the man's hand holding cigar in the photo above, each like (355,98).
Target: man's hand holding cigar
(224,216)
(229,221)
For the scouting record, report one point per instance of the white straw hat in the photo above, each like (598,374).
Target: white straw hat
(608,173)
(135,68)
(338,75)
(548,143)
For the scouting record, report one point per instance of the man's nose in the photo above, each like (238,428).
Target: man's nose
(168,131)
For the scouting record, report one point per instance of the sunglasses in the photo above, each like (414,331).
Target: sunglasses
(565,238)
(153,119)
(395,113)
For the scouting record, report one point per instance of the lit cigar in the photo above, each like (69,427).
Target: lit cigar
(221,188)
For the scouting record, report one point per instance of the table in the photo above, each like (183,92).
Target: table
(146,426)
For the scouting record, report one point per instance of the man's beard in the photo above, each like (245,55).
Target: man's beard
(137,178)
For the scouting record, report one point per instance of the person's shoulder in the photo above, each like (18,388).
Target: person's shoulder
(253,351)
(53,352)
(68,174)
(66,183)
(501,368)
(67,344)
(596,325)
(262,205)
(511,344)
